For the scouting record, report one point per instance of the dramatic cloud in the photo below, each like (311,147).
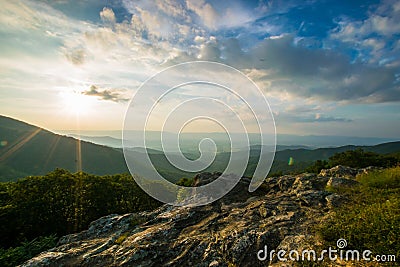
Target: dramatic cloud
(312,59)
(279,64)
(321,74)
(114,95)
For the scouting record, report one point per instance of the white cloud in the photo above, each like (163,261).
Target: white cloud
(307,117)
(199,39)
(209,51)
(109,94)
(160,20)
(50,49)
(232,15)
(173,8)
(372,34)
(107,15)
(205,11)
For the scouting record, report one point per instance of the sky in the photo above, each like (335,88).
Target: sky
(325,67)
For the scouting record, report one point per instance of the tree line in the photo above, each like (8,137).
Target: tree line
(61,202)
(356,159)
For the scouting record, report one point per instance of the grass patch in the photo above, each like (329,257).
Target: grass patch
(385,179)
(371,219)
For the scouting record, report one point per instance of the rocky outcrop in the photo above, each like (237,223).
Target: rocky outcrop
(346,172)
(228,232)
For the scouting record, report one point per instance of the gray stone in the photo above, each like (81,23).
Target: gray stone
(338,182)
(229,231)
(335,200)
(339,171)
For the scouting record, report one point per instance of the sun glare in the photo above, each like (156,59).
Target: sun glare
(76,103)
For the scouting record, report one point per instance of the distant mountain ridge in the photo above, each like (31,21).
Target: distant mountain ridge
(283,140)
(29,150)
(304,154)
(100,140)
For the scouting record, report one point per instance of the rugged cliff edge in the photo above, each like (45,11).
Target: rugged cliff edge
(228,232)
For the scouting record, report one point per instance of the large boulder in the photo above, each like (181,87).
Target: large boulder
(228,232)
(347,172)
(339,171)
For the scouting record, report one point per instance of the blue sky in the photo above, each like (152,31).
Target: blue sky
(326,67)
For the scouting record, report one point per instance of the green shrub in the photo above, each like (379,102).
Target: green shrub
(317,166)
(371,219)
(62,202)
(356,159)
(360,159)
(388,178)
(185,182)
(27,250)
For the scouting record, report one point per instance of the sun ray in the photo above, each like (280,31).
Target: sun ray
(53,147)
(18,144)
(78,155)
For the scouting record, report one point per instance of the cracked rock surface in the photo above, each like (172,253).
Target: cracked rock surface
(228,232)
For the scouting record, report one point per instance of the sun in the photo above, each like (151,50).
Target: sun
(75,102)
